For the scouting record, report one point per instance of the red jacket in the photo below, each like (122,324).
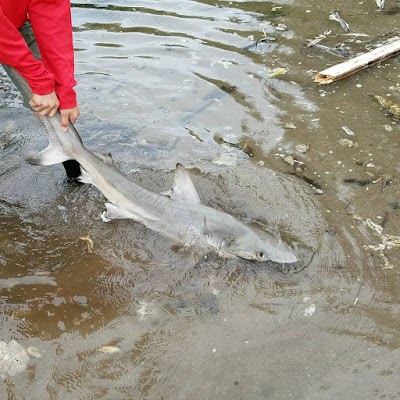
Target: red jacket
(51,23)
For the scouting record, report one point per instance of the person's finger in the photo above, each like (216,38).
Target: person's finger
(36,106)
(39,108)
(53,111)
(64,121)
(45,111)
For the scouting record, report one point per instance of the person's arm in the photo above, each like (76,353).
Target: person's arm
(15,53)
(52,26)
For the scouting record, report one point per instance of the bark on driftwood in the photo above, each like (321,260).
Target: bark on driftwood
(358,63)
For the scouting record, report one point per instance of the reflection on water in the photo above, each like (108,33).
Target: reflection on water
(161,84)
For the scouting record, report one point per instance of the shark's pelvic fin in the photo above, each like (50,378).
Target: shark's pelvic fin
(106,158)
(183,189)
(49,156)
(84,177)
(114,212)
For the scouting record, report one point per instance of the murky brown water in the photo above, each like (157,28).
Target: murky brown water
(160,84)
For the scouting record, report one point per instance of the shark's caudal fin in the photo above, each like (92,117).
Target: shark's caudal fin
(49,156)
(183,189)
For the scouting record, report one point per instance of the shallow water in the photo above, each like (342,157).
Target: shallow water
(161,84)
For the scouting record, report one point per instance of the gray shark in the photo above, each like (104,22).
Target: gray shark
(177,214)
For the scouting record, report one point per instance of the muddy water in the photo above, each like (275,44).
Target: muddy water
(161,84)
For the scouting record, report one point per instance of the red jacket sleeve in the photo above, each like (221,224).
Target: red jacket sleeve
(51,23)
(15,53)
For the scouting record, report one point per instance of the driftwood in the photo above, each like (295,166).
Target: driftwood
(358,63)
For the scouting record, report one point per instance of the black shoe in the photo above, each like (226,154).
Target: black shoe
(72,168)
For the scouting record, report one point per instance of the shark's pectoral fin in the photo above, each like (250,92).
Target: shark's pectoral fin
(115,212)
(49,156)
(183,189)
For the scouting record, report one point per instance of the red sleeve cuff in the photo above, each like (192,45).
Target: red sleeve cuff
(66,96)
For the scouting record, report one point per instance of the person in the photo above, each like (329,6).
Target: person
(36,41)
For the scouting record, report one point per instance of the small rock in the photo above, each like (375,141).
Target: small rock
(346,142)
(289,160)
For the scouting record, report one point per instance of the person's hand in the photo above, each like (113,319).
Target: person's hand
(48,104)
(69,114)
(45,104)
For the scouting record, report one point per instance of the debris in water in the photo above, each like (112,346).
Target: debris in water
(380,4)
(336,51)
(13,358)
(254,45)
(361,182)
(311,182)
(289,160)
(33,352)
(89,243)
(358,63)
(244,146)
(27,280)
(310,307)
(276,72)
(347,142)
(336,17)
(229,160)
(303,148)
(320,37)
(392,107)
(388,242)
(348,131)
(109,349)
(388,128)
(290,126)
(281,27)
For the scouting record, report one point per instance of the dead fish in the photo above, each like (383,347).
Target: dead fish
(254,45)
(336,51)
(336,17)
(380,4)
(243,146)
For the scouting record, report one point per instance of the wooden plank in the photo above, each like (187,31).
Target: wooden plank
(358,63)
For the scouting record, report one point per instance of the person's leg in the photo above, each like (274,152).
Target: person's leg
(72,167)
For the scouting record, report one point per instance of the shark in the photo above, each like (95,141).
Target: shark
(178,213)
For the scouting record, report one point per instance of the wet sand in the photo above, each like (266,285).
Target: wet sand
(138,318)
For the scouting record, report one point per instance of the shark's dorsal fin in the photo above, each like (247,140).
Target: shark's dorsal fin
(183,189)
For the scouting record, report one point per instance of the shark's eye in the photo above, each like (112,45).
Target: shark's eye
(261,254)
